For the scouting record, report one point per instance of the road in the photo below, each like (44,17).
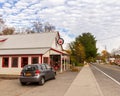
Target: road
(108,78)
(56,87)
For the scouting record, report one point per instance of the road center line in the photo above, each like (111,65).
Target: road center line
(107,75)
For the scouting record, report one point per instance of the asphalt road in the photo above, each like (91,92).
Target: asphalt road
(111,70)
(56,87)
(108,78)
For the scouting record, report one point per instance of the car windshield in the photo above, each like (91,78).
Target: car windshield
(30,68)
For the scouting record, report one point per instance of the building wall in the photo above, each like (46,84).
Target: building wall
(55,45)
(15,70)
(54,52)
(47,56)
(10,70)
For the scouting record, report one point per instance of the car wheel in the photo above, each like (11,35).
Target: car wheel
(23,83)
(54,77)
(42,81)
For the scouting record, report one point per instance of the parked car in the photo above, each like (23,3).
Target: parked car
(36,73)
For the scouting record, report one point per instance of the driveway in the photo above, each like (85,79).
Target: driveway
(56,87)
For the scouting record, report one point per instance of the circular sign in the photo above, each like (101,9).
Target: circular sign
(60,41)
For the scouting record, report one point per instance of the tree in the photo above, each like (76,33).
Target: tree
(48,27)
(105,55)
(4,29)
(1,23)
(29,31)
(8,31)
(1,20)
(38,27)
(83,48)
(89,43)
(77,52)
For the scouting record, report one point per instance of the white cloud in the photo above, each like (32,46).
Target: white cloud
(57,2)
(2,1)
(73,3)
(102,1)
(7,5)
(20,5)
(100,17)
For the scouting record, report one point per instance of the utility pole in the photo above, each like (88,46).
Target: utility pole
(106,53)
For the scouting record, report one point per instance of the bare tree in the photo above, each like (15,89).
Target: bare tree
(1,23)
(48,27)
(28,31)
(38,27)
(1,20)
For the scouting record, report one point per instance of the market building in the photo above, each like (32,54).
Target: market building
(19,50)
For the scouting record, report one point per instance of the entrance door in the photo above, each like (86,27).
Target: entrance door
(24,61)
(55,61)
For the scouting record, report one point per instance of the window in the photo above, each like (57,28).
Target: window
(30,68)
(5,62)
(15,62)
(43,67)
(24,61)
(45,60)
(35,60)
(48,66)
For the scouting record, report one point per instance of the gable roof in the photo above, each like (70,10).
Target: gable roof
(36,40)
(37,43)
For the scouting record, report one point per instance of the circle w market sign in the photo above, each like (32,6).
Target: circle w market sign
(60,41)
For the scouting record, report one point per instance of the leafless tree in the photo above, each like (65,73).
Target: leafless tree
(38,27)
(1,23)
(48,27)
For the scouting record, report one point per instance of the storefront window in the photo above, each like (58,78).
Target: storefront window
(5,62)
(24,61)
(45,60)
(35,60)
(15,62)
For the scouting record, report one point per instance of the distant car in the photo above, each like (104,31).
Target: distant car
(38,73)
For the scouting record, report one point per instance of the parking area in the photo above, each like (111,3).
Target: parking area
(56,87)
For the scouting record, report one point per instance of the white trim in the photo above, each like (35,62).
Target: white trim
(61,66)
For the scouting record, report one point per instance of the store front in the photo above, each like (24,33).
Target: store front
(55,61)
(20,50)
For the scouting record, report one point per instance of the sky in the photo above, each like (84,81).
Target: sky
(70,17)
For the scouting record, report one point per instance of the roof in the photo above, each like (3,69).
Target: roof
(28,40)
(27,43)
(23,51)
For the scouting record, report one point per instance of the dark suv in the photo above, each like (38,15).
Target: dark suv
(36,73)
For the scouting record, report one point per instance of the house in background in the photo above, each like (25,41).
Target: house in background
(16,51)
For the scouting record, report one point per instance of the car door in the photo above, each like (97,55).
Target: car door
(49,71)
(45,72)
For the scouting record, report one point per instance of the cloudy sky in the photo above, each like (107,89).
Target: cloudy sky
(71,18)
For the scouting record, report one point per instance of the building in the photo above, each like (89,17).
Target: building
(19,50)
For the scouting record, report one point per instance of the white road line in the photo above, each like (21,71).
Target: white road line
(107,75)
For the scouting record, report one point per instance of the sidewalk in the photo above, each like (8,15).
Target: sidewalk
(84,84)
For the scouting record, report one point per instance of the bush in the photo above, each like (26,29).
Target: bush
(75,69)
(79,64)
